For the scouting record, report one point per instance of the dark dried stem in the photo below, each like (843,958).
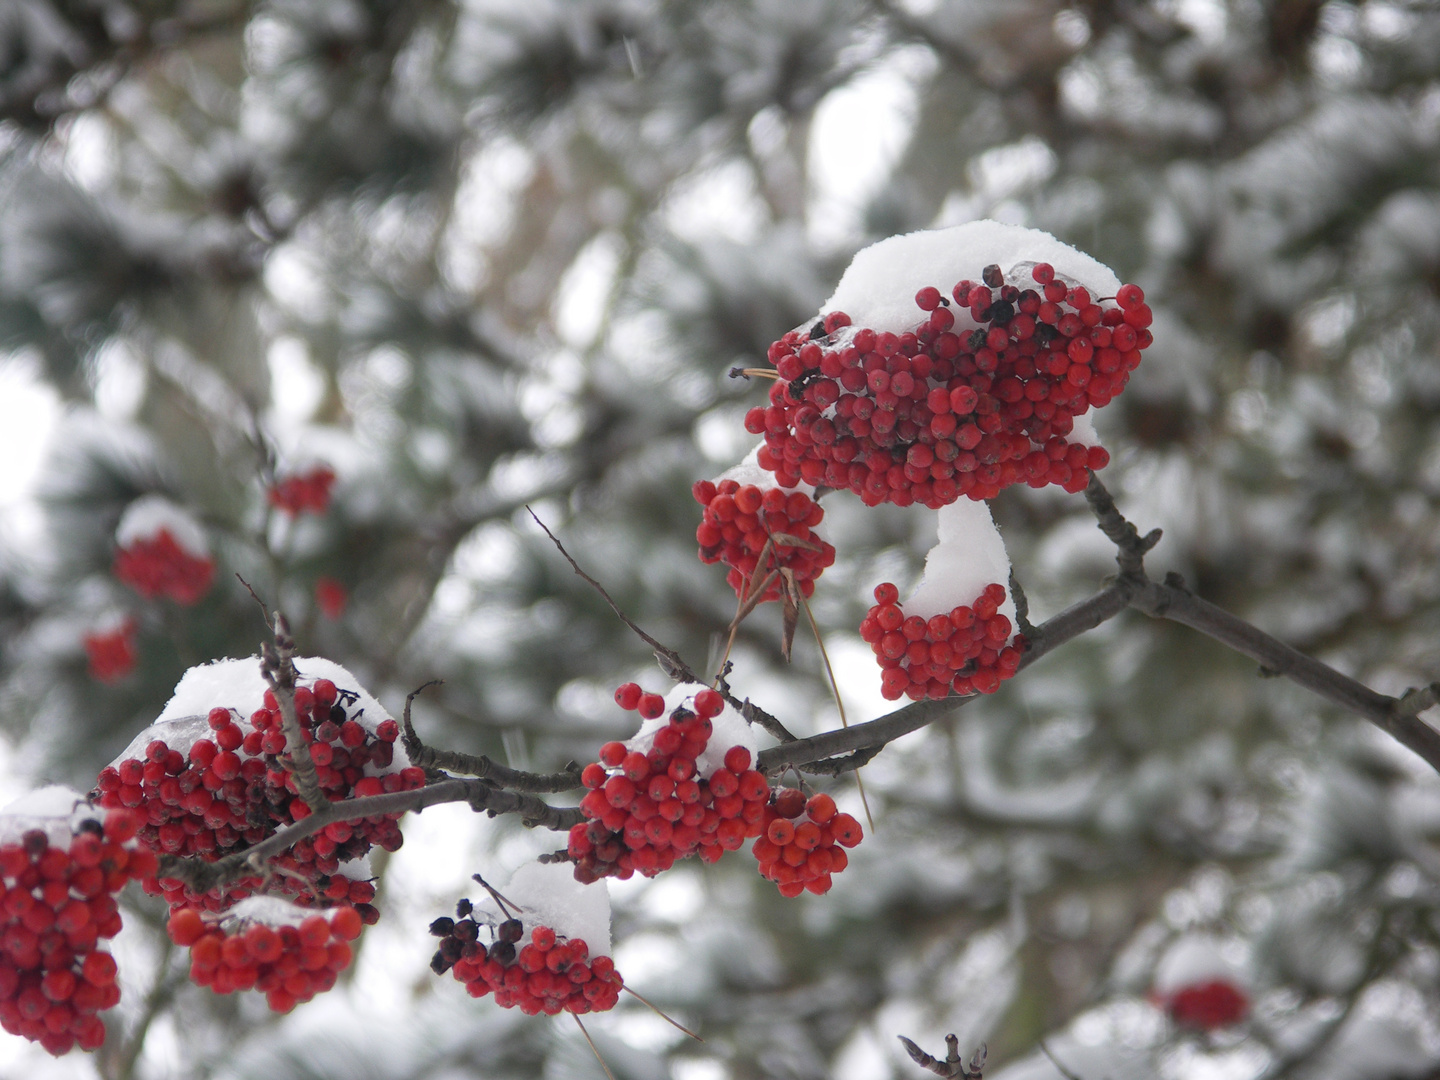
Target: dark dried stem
(478,765)
(277,665)
(482,795)
(670,661)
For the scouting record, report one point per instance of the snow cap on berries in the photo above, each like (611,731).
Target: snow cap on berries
(57,811)
(749,471)
(149,515)
(273,911)
(1195,959)
(547,894)
(238,684)
(727,729)
(969,556)
(878,289)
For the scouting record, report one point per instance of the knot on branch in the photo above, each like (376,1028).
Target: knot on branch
(1131,547)
(952,1065)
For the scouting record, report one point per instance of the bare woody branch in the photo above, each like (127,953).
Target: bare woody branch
(482,795)
(478,765)
(1170,600)
(952,1065)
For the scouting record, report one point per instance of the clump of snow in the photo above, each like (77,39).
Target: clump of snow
(238,685)
(272,911)
(750,472)
(148,515)
(55,810)
(1200,958)
(878,289)
(969,556)
(728,729)
(547,894)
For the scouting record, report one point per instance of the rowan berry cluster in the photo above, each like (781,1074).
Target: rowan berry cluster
(159,566)
(968,650)
(223,788)
(111,653)
(931,415)
(1208,1005)
(309,490)
(653,802)
(287,952)
(743,525)
(801,856)
(58,884)
(548,974)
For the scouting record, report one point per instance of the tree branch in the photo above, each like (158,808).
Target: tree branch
(478,765)
(277,665)
(482,795)
(952,1066)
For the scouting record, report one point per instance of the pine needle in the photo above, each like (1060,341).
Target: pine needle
(595,1049)
(662,1014)
(835,689)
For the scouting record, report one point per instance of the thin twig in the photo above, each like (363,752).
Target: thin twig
(1066,1073)
(478,765)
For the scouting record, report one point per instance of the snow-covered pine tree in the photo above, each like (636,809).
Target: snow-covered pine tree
(476,256)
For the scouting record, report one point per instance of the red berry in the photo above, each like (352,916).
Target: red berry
(627,696)
(651,706)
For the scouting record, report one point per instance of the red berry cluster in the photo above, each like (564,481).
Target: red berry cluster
(548,974)
(57,901)
(650,808)
(1206,1006)
(932,415)
(801,856)
(289,953)
(304,491)
(965,650)
(331,597)
(223,793)
(111,653)
(159,566)
(740,520)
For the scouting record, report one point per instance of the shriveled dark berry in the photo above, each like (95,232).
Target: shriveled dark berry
(992,276)
(337,713)
(439,964)
(463,908)
(466,930)
(442,927)
(510,930)
(503,953)
(451,949)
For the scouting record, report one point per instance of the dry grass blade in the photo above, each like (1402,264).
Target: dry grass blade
(593,1048)
(663,1014)
(840,705)
(792,597)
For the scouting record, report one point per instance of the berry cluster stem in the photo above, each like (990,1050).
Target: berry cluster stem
(277,665)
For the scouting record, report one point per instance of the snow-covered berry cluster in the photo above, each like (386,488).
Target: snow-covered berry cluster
(287,952)
(667,794)
(744,523)
(802,855)
(309,490)
(61,867)
(967,650)
(162,551)
(212,784)
(111,651)
(930,415)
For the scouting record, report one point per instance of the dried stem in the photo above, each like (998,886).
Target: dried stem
(277,665)
(952,1065)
